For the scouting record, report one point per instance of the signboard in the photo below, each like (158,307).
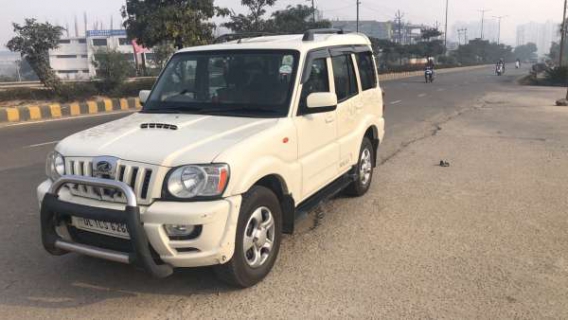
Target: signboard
(105,33)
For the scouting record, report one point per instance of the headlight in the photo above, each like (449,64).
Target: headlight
(55,165)
(198,181)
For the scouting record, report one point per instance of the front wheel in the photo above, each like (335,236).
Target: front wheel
(259,232)
(365,169)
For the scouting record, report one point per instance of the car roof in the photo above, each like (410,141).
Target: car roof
(287,42)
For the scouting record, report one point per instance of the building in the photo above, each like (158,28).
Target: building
(472,30)
(372,29)
(9,64)
(74,57)
(541,34)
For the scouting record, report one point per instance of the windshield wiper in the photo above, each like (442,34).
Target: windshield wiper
(172,109)
(251,110)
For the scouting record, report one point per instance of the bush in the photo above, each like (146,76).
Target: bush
(77,91)
(26,94)
(557,76)
(112,68)
(131,89)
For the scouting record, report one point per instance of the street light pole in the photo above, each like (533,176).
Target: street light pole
(499,32)
(358,3)
(313,10)
(446,28)
(563,36)
(482,21)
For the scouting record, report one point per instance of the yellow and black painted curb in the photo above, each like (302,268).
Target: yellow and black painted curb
(56,110)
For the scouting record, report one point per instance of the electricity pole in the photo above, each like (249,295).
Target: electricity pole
(499,32)
(482,21)
(446,28)
(563,36)
(358,3)
(313,10)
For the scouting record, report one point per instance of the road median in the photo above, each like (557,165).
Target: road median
(65,110)
(410,74)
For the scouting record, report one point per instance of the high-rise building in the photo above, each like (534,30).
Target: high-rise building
(541,34)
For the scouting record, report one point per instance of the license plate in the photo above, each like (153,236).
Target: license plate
(118,230)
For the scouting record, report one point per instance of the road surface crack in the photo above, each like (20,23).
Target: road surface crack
(436,127)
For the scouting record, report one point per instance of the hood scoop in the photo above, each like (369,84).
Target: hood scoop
(158,126)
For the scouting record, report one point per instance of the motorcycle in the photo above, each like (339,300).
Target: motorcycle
(499,70)
(429,75)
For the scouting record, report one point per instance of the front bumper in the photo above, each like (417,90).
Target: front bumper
(149,247)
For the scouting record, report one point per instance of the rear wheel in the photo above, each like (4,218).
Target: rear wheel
(365,169)
(259,232)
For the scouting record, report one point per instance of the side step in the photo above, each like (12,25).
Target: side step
(324,194)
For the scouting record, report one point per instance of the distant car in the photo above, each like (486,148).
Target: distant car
(234,142)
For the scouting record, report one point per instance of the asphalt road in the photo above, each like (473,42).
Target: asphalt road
(335,271)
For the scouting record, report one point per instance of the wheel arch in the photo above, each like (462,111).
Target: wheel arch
(277,184)
(373,134)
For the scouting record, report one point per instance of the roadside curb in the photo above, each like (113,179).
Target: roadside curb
(57,111)
(410,74)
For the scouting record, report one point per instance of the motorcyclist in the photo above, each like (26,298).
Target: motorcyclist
(429,67)
(501,64)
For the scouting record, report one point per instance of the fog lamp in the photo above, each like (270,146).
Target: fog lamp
(179,230)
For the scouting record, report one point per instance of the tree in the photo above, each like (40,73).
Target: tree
(526,52)
(162,53)
(113,68)
(253,21)
(293,20)
(429,33)
(181,22)
(33,41)
(482,51)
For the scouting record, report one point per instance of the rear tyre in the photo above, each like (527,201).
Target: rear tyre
(259,232)
(365,169)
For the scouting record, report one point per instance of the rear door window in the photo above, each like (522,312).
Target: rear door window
(344,77)
(367,70)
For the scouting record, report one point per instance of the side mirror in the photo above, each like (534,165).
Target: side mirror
(322,101)
(143,95)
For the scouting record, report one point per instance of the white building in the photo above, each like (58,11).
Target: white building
(541,34)
(74,57)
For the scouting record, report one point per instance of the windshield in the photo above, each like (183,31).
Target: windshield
(232,83)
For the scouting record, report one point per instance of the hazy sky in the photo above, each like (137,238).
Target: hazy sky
(416,11)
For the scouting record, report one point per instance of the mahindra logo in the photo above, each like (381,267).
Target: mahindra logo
(104,167)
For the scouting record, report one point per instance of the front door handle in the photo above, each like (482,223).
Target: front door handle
(329,120)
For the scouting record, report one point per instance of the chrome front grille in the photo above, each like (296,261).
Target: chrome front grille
(140,177)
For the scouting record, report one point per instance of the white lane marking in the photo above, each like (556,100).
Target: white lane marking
(41,144)
(422,95)
(441,89)
(397,101)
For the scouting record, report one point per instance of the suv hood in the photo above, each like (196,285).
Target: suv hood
(198,138)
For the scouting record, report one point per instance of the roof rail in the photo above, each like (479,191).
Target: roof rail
(309,35)
(239,36)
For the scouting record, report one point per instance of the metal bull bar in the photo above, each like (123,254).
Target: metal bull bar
(53,211)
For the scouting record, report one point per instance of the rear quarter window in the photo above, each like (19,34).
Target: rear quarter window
(367,70)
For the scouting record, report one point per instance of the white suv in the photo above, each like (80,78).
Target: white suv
(234,143)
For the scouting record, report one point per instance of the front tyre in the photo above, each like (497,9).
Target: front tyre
(259,232)
(365,169)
